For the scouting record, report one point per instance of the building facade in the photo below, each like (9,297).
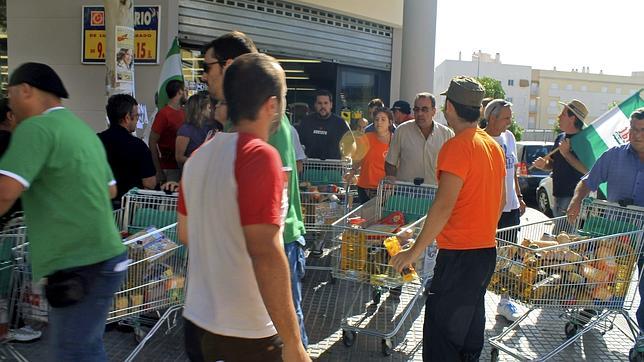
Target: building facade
(599,92)
(352,48)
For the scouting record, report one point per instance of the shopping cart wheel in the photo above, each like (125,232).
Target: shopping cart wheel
(376,293)
(494,355)
(570,329)
(635,356)
(140,332)
(387,346)
(348,337)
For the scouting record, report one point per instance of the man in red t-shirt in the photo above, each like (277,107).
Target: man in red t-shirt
(462,219)
(164,133)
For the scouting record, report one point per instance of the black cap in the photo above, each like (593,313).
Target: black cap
(40,76)
(401,106)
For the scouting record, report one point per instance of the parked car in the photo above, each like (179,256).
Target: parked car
(544,196)
(529,179)
(545,199)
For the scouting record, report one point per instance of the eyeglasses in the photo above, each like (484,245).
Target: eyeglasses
(422,109)
(206,66)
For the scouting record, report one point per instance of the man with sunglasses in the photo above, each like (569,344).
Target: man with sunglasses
(218,55)
(413,152)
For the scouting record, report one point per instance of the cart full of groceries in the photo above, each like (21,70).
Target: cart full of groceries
(364,241)
(154,289)
(587,272)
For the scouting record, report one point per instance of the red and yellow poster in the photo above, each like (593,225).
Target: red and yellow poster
(146,35)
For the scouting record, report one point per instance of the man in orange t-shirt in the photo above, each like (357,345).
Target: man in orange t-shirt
(463,219)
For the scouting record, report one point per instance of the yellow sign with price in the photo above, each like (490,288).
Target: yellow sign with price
(146,34)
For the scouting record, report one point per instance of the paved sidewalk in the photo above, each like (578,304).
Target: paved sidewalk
(326,303)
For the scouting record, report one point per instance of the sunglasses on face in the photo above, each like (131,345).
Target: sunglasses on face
(206,66)
(422,109)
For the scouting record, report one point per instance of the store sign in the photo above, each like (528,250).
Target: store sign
(147,20)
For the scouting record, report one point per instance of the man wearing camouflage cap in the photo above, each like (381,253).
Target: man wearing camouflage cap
(58,165)
(462,219)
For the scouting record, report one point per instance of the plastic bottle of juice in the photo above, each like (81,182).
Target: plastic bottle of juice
(393,247)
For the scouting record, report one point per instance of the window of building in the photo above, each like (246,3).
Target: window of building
(511,82)
(568,86)
(604,89)
(551,122)
(553,104)
(532,124)
(554,86)
(360,85)
(618,90)
(584,88)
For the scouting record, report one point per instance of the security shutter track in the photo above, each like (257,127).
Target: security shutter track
(282,28)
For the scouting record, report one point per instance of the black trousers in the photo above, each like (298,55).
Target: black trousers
(202,345)
(365,195)
(507,219)
(455,309)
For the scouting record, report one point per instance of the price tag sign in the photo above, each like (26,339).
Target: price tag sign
(146,34)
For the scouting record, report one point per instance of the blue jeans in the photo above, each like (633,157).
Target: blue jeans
(561,205)
(296,263)
(76,332)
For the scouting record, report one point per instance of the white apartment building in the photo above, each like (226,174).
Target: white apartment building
(598,91)
(515,80)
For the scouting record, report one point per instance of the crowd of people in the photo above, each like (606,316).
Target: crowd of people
(235,157)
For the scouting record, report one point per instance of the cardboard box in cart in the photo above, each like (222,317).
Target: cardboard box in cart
(150,275)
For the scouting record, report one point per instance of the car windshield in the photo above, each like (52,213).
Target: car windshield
(531,153)
(534,152)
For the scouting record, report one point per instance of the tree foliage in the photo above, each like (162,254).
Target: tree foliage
(493,88)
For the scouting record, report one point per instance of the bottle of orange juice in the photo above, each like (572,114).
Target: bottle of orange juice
(393,247)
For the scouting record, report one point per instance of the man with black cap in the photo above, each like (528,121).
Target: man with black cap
(566,168)
(462,219)
(58,166)
(402,112)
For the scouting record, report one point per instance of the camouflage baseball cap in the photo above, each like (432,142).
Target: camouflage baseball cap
(466,91)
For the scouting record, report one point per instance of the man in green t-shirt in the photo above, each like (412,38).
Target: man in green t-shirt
(218,55)
(58,166)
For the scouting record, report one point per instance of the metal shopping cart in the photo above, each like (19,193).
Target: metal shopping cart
(154,290)
(13,308)
(325,196)
(360,256)
(589,277)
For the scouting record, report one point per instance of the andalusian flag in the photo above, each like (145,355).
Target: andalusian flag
(171,70)
(609,130)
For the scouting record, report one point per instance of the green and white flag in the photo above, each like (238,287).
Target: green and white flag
(171,70)
(607,131)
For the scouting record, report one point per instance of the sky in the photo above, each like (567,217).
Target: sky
(602,35)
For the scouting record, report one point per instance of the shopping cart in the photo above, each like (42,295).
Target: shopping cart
(325,197)
(13,308)
(360,256)
(154,290)
(589,277)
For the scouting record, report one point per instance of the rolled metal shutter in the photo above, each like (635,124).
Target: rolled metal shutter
(282,28)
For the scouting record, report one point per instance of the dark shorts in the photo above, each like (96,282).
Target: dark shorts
(202,345)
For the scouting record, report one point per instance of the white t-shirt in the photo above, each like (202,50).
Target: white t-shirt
(509,145)
(231,181)
(299,151)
